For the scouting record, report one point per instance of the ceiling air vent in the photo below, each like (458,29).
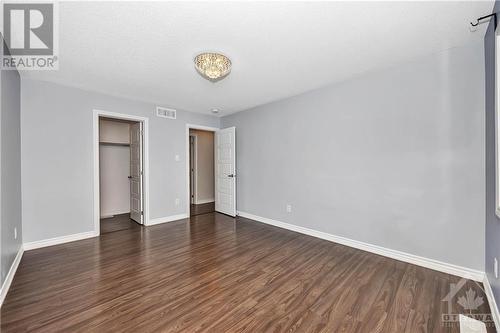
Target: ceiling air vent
(166,113)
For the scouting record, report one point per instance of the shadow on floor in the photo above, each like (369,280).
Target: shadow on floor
(202,208)
(118,223)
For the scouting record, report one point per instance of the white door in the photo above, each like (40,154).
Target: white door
(225,171)
(136,205)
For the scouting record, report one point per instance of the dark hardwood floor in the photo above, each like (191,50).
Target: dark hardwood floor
(202,208)
(219,274)
(118,223)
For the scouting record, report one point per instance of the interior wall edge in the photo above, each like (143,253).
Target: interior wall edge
(491,300)
(11,226)
(10,275)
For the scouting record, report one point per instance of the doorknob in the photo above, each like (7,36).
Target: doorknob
(231,176)
(129,177)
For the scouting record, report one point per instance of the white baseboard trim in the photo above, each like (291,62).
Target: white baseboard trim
(460,271)
(10,275)
(204,201)
(491,300)
(167,219)
(59,240)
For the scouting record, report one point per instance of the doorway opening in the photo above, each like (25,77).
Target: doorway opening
(201,172)
(119,172)
(120,184)
(224,170)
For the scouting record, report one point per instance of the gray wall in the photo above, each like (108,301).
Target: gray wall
(10,169)
(393,158)
(492,222)
(57,157)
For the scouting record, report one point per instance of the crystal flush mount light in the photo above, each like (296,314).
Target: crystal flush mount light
(212,66)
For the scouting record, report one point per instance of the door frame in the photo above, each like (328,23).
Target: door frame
(95,143)
(188,172)
(193,182)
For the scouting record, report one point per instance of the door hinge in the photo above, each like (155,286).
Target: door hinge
(142,212)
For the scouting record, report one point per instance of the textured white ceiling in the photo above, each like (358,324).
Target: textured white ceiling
(145,50)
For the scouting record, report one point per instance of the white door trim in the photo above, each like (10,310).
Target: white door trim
(195,168)
(95,126)
(136,171)
(188,127)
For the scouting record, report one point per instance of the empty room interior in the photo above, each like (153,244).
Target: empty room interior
(270,166)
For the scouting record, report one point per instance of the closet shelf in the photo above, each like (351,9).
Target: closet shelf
(114,144)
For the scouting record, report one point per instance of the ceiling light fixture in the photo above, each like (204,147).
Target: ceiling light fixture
(215,111)
(212,66)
